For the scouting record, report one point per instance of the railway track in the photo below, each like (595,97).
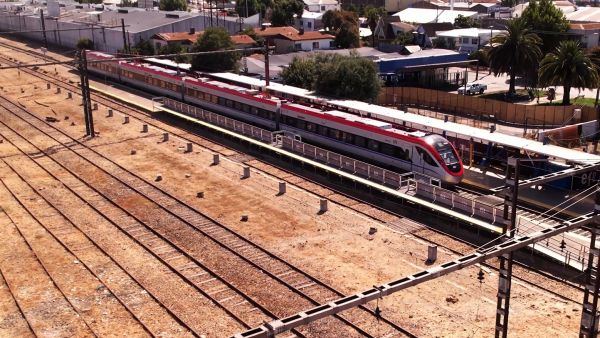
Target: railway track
(263,262)
(399,223)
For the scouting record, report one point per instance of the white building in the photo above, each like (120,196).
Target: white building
(310,21)
(108,35)
(321,6)
(586,33)
(468,39)
(302,41)
(426,15)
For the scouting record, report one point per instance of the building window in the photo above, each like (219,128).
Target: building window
(315,45)
(298,46)
(450,40)
(465,41)
(322,8)
(331,44)
(309,24)
(301,23)
(475,41)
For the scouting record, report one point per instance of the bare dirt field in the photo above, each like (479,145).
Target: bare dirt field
(334,246)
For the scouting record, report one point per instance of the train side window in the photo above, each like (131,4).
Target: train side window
(347,137)
(222,101)
(200,95)
(426,158)
(229,103)
(263,113)
(323,130)
(246,108)
(407,155)
(360,141)
(373,145)
(334,133)
(301,124)
(214,99)
(253,110)
(271,116)
(290,121)
(388,149)
(238,105)
(311,127)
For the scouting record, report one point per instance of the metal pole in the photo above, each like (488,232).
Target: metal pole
(510,216)
(589,313)
(125,46)
(43,28)
(85,94)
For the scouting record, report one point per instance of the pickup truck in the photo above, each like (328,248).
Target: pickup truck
(472,88)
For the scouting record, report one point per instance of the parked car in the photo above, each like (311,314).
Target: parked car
(472,88)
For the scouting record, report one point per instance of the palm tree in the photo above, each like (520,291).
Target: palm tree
(570,67)
(515,51)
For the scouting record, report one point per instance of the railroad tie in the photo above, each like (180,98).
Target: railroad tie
(240,303)
(226,299)
(187,266)
(225,288)
(206,281)
(196,275)
(173,257)
(285,273)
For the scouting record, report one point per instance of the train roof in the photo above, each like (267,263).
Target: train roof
(460,130)
(169,63)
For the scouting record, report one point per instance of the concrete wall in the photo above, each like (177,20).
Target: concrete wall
(283,46)
(391,66)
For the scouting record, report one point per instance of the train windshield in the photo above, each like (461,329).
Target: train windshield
(444,148)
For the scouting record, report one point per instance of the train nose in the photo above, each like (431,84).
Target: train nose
(453,180)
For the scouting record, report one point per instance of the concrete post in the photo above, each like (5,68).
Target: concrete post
(165,137)
(215,159)
(47,86)
(323,205)
(432,253)
(95,106)
(57,90)
(144,128)
(69,95)
(158,177)
(189,147)
(110,113)
(246,172)
(200,194)
(126,120)
(282,187)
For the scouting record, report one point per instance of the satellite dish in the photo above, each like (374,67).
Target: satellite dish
(409,5)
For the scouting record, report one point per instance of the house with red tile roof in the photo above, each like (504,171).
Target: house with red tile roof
(302,41)
(187,39)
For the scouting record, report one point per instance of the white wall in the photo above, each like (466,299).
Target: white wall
(322,8)
(284,46)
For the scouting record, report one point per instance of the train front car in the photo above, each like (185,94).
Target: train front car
(448,158)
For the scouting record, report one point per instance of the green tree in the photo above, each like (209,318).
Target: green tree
(300,72)
(175,49)
(172,5)
(260,41)
(404,38)
(284,10)
(143,47)
(353,8)
(254,6)
(333,19)
(350,76)
(126,3)
(570,67)
(548,20)
(84,44)
(439,43)
(348,36)
(466,22)
(215,38)
(508,3)
(514,51)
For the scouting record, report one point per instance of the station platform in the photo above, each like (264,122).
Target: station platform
(544,196)
(577,243)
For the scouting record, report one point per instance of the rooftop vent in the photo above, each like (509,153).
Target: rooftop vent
(251,92)
(192,30)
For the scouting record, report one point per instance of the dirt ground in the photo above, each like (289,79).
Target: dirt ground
(334,246)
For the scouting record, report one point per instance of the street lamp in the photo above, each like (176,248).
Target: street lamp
(491,35)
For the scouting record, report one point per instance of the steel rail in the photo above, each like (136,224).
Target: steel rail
(154,232)
(256,265)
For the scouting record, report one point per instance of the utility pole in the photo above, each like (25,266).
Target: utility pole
(85,94)
(125,46)
(43,28)
(506,261)
(267,63)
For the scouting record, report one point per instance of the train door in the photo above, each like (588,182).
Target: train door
(418,161)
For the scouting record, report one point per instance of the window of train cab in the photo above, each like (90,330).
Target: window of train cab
(373,145)
(311,127)
(323,130)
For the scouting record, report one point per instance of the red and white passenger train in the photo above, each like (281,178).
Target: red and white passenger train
(362,138)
